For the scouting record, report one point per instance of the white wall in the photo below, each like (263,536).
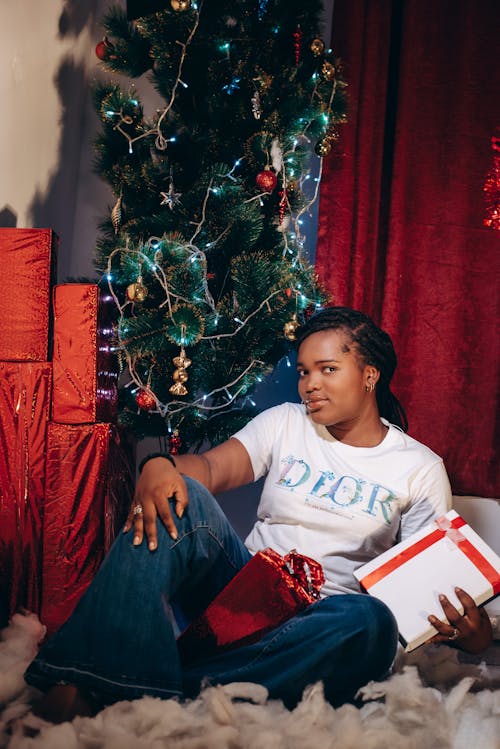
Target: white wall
(47,60)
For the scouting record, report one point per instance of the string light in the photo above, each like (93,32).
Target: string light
(230,88)
(161,142)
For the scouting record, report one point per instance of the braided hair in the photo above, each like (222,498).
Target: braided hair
(373,346)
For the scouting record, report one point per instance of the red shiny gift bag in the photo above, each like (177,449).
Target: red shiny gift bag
(266,592)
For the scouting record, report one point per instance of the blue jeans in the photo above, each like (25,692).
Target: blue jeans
(119,643)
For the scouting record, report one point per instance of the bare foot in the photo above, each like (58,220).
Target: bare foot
(63,703)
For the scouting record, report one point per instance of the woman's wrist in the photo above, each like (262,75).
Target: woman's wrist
(149,457)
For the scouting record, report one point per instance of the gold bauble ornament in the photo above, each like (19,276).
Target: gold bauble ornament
(180,5)
(328,71)
(290,328)
(323,147)
(317,47)
(137,292)
(180,375)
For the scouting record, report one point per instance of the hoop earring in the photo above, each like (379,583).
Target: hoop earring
(370,387)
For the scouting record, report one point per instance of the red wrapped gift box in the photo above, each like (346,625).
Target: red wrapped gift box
(29,256)
(85,370)
(24,415)
(90,479)
(266,592)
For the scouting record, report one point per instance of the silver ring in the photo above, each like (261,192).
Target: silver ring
(137,510)
(455,634)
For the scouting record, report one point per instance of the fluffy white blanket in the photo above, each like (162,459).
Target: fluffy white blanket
(431,700)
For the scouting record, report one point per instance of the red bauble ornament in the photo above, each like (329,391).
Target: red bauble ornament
(103,49)
(145,400)
(266,180)
(175,443)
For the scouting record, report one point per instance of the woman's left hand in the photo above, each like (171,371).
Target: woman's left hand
(470,631)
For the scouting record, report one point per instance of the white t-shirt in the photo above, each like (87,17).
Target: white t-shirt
(341,505)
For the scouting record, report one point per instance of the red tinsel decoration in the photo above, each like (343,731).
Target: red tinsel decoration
(297,44)
(492,189)
(282,205)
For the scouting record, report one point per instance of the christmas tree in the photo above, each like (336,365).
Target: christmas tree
(204,251)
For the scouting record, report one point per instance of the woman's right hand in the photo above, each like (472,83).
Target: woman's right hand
(159,487)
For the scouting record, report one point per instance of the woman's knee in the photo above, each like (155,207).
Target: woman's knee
(202,504)
(381,621)
(366,619)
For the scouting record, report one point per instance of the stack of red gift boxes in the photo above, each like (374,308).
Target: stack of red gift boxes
(66,471)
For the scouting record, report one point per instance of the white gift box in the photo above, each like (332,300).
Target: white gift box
(409,577)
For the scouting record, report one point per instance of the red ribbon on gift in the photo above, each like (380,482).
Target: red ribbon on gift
(448,528)
(304,571)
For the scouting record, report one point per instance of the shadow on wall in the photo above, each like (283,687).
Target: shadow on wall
(8,219)
(70,189)
(55,207)
(76,16)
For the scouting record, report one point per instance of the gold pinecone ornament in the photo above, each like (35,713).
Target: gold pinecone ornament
(117,215)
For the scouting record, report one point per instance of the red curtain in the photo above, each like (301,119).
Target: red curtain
(401,233)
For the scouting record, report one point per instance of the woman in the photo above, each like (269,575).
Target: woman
(344,483)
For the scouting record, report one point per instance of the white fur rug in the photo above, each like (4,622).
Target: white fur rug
(432,700)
